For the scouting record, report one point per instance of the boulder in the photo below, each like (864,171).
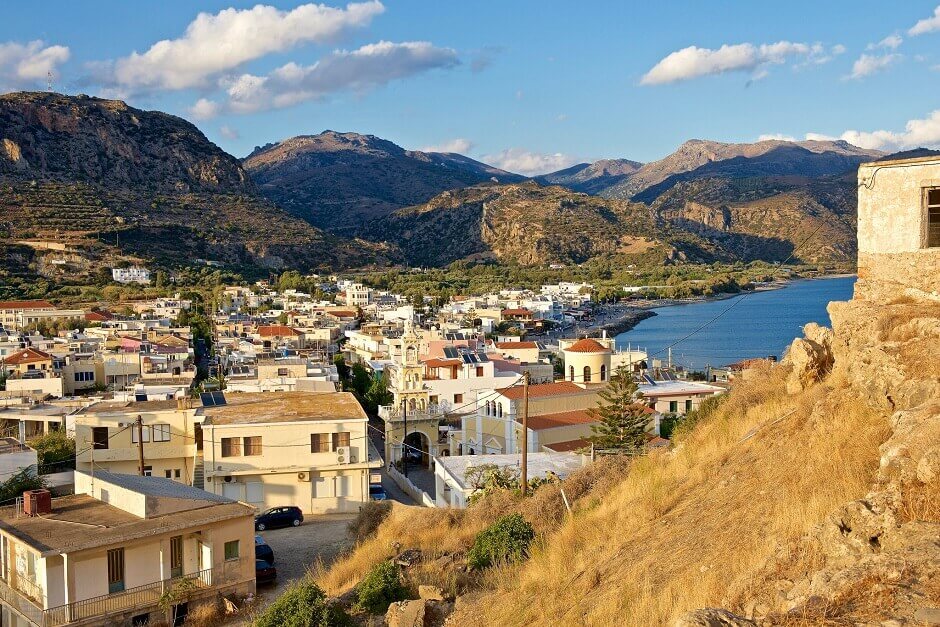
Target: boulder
(810,357)
(711,617)
(928,616)
(406,614)
(431,593)
(928,468)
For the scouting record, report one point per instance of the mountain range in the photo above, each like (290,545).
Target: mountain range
(117,180)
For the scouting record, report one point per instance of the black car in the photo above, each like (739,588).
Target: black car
(275,517)
(263,551)
(264,572)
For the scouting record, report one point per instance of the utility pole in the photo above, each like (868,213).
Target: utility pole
(404,447)
(525,432)
(140,445)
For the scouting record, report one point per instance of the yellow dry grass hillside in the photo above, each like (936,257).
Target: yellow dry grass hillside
(683,529)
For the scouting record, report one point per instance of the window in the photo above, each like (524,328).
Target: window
(168,473)
(81,377)
(161,433)
(176,473)
(587,374)
(176,556)
(933,218)
(322,487)
(231,550)
(231,447)
(571,373)
(145,431)
(343,486)
(673,406)
(499,410)
(479,371)
(148,471)
(458,398)
(688,405)
(603,373)
(99,435)
(340,439)
(115,570)
(319,442)
(252,445)
(283,372)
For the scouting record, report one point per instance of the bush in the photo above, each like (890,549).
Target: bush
(708,407)
(506,540)
(303,604)
(55,451)
(367,521)
(381,587)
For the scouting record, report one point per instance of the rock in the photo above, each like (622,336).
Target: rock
(406,614)
(431,593)
(928,468)
(711,617)
(810,357)
(408,558)
(928,615)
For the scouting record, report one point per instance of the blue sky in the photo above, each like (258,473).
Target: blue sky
(530,86)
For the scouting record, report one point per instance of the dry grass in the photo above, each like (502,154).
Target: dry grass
(690,529)
(206,615)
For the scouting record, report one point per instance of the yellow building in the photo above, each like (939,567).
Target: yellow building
(105,434)
(106,554)
(306,449)
(587,360)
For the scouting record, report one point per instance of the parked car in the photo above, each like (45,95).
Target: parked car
(264,572)
(377,492)
(263,551)
(275,517)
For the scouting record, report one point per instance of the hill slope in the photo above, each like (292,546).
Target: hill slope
(807,497)
(592,178)
(144,184)
(339,181)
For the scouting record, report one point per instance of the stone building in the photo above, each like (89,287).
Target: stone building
(899,229)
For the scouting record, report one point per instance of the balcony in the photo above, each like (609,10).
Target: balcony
(132,599)
(393,413)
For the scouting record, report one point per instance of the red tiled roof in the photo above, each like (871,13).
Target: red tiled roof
(559,388)
(277,330)
(561,419)
(511,345)
(26,356)
(587,345)
(442,363)
(98,316)
(26,304)
(343,313)
(568,445)
(516,312)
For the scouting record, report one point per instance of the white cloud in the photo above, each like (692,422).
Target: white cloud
(776,136)
(869,64)
(228,132)
(693,62)
(216,43)
(891,42)
(838,49)
(204,109)
(926,25)
(820,137)
(360,70)
(26,65)
(460,145)
(529,163)
(561,117)
(918,133)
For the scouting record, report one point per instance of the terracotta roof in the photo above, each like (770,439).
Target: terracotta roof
(26,356)
(543,389)
(561,419)
(277,330)
(587,345)
(342,313)
(442,363)
(511,345)
(516,312)
(568,445)
(26,304)
(98,316)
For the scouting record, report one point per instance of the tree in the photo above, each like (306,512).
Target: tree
(361,380)
(342,369)
(378,394)
(55,451)
(623,419)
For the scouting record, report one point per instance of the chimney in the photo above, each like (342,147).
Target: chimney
(37,502)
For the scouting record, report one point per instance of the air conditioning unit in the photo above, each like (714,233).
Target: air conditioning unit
(342,455)
(227,478)
(303,476)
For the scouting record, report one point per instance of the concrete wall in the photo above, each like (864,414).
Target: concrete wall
(893,260)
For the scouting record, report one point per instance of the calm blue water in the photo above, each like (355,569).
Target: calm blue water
(761,324)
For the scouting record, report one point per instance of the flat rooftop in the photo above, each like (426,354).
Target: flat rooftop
(678,388)
(106,407)
(274,407)
(562,464)
(79,521)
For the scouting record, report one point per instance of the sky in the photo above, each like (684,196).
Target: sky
(527,86)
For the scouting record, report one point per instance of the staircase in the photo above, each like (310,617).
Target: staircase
(199,474)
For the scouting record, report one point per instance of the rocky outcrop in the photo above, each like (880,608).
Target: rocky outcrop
(713,618)
(810,358)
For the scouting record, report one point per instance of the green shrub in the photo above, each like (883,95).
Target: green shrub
(303,604)
(367,521)
(708,407)
(55,451)
(381,587)
(506,540)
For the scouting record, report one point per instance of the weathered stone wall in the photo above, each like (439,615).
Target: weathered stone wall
(892,226)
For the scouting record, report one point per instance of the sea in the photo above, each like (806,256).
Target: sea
(754,324)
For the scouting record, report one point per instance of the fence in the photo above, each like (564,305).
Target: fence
(416,493)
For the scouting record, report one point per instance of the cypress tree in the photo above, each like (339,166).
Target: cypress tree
(623,418)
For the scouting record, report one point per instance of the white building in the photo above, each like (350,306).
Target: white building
(131,275)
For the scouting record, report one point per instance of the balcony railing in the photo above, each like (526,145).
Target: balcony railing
(393,413)
(147,595)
